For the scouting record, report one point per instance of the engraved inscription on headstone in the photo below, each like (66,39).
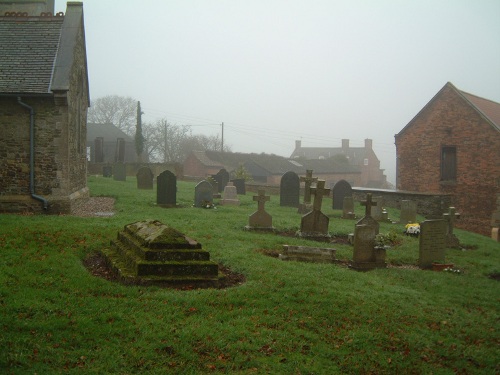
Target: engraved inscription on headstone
(432,242)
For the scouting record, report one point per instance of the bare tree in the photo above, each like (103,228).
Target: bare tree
(113,109)
(165,142)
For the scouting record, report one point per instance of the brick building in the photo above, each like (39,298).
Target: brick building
(452,146)
(44,98)
(363,158)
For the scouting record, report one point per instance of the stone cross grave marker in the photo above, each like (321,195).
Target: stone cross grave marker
(315,223)
(230,196)
(260,219)
(408,212)
(308,180)
(289,189)
(340,190)
(119,172)
(145,178)
(166,189)
(432,243)
(203,194)
(450,217)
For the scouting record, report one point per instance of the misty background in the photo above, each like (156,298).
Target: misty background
(276,71)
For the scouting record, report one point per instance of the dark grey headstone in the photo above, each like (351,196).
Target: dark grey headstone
(222,178)
(340,190)
(239,183)
(107,171)
(145,178)
(203,193)
(290,189)
(120,172)
(166,189)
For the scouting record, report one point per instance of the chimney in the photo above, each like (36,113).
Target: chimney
(298,144)
(345,145)
(368,144)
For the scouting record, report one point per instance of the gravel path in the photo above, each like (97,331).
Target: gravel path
(94,206)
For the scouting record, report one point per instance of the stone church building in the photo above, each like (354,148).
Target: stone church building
(452,147)
(44,96)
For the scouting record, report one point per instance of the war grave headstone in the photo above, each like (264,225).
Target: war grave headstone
(408,212)
(308,254)
(145,178)
(230,197)
(152,252)
(366,255)
(348,208)
(260,219)
(314,224)
(166,189)
(107,171)
(289,189)
(340,190)
(203,194)
(222,178)
(215,186)
(432,243)
(120,172)
(240,186)
(450,217)
(308,181)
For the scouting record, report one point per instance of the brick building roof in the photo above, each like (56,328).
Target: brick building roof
(488,108)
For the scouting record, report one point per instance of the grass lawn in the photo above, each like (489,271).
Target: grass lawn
(287,318)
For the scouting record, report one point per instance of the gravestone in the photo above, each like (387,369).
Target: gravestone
(365,255)
(240,186)
(215,186)
(260,219)
(230,197)
(314,224)
(450,217)
(408,212)
(151,252)
(289,189)
(340,190)
(166,189)
(203,194)
(107,171)
(308,180)
(377,210)
(348,208)
(222,178)
(308,254)
(120,172)
(144,178)
(432,243)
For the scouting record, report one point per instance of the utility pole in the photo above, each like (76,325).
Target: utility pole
(222,141)
(165,140)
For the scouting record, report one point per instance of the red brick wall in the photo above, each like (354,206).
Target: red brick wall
(448,120)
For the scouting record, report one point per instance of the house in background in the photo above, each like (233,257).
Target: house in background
(452,146)
(199,165)
(362,157)
(108,144)
(44,96)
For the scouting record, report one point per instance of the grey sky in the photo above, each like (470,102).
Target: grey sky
(279,70)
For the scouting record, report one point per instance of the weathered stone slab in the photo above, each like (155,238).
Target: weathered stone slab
(408,212)
(230,196)
(203,194)
(348,208)
(145,178)
(314,224)
(432,244)
(308,254)
(119,172)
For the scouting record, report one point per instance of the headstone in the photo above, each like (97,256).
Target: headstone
(120,150)
(99,150)
(365,255)
(340,190)
(240,186)
(348,208)
(314,225)
(222,178)
(120,172)
(203,194)
(166,189)
(289,189)
(230,197)
(308,180)
(408,212)
(152,252)
(450,217)
(260,219)
(308,254)
(107,171)
(432,242)
(377,210)
(215,186)
(145,178)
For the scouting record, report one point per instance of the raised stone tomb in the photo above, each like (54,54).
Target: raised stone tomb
(154,252)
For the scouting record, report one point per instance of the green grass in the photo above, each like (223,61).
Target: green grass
(288,318)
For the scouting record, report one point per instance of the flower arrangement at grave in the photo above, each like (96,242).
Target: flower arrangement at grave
(455,271)
(412,229)
(207,205)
